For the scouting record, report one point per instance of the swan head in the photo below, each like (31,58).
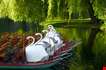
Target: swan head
(38,37)
(31,37)
(51,28)
(44,31)
(38,34)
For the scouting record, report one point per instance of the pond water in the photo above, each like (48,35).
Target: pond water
(67,33)
(9,27)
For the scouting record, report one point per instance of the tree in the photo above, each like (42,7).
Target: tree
(22,10)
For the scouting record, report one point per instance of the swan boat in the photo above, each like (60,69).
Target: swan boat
(61,54)
(12,60)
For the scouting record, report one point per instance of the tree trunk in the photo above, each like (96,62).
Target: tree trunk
(87,49)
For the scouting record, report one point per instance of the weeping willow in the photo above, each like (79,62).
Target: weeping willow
(39,10)
(22,10)
(100,8)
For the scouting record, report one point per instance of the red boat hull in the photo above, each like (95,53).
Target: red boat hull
(58,56)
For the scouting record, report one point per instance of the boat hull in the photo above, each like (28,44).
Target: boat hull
(58,56)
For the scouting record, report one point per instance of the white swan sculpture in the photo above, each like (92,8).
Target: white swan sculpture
(28,47)
(34,51)
(51,33)
(48,44)
(44,47)
(41,37)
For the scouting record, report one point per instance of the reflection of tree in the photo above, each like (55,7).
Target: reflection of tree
(87,49)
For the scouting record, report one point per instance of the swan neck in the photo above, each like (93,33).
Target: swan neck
(40,37)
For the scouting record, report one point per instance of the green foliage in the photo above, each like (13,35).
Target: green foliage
(57,8)
(51,8)
(100,50)
(22,10)
(74,8)
(39,10)
(99,8)
(3,8)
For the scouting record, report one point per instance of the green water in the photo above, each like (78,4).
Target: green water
(78,33)
(10,27)
(67,33)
